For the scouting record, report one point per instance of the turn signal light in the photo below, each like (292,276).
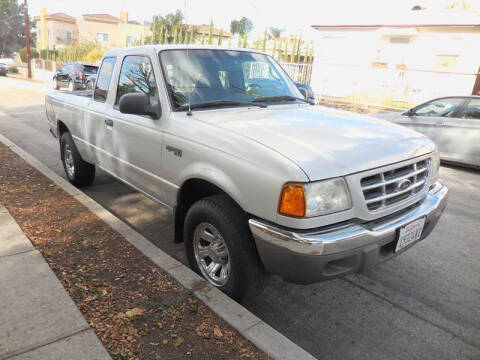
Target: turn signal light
(292,200)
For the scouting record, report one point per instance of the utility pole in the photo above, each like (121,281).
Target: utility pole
(27,35)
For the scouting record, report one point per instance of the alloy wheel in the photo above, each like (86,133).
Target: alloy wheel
(211,254)
(68,159)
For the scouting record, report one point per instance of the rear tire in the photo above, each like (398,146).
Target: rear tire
(79,172)
(224,221)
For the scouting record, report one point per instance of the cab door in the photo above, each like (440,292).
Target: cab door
(137,139)
(98,122)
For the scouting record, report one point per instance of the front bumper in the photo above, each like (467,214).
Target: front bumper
(330,252)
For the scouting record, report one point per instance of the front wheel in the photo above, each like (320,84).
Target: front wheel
(71,86)
(220,247)
(55,84)
(79,172)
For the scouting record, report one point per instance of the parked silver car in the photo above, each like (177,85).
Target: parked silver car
(453,123)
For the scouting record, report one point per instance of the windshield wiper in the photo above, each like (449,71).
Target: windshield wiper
(220,103)
(278,98)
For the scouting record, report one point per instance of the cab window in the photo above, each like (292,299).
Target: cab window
(136,76)
(103,79)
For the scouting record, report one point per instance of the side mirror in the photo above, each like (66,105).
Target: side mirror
(307,92)
(410,112)
(139,104)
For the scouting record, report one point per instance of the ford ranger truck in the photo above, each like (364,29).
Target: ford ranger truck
(259,181)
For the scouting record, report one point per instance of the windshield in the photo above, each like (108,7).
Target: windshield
(223,75)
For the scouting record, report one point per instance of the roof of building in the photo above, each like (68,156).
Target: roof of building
(102,18)
(60,16)
(413,18)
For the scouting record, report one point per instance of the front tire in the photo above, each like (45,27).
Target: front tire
(79,172)
(55,84)
(219,246)
(71,86)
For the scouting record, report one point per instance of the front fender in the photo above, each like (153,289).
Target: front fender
(216,176)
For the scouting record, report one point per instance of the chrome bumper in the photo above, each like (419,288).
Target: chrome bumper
(367,243)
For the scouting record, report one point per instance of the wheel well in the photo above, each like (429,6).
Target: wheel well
(190,192)
(61,128)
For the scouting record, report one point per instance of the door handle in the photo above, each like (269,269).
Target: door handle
(109,122)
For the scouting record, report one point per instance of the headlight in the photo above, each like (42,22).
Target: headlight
(435,166)
(314,199)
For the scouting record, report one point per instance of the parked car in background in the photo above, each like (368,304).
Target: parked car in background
(453,123)
(8,62)
(3,69)
(75,75)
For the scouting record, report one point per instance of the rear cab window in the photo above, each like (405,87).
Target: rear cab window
(103,80)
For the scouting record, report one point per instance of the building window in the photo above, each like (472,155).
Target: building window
(102,37)
(400,40)
(66,37)
(131,40)
(446,61)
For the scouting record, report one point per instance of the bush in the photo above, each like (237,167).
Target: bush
(48,54)
(23,54)
(13,70)
(94,56)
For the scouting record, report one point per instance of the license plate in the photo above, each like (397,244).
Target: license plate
(410,233)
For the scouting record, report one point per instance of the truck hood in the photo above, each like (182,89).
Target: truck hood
(323,142)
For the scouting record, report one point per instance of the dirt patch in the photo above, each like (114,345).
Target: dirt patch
(135,308)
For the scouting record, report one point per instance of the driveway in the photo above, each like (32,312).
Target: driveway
(423,304)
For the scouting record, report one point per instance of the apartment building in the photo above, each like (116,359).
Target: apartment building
(59,30)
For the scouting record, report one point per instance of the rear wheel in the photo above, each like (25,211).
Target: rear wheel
(79,172)
(220,247)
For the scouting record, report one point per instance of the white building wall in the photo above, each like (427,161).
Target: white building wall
(430,62)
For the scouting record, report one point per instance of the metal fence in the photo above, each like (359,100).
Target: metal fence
(300,73)
(387,88)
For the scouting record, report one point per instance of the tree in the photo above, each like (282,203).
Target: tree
(12,27)
(241,27)
(275,33)
(170,24)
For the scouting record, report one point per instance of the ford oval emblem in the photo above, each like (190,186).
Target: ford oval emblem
(402,184)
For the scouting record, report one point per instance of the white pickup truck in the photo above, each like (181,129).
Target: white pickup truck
(259,181)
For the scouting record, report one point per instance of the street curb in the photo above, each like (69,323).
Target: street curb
(250,326)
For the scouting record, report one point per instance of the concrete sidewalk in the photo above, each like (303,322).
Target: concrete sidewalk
(38,320)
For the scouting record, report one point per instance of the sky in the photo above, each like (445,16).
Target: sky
(293,16)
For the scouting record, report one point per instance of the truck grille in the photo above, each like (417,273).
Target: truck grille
(387,188)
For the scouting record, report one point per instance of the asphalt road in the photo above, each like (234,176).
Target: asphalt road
(423,304)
